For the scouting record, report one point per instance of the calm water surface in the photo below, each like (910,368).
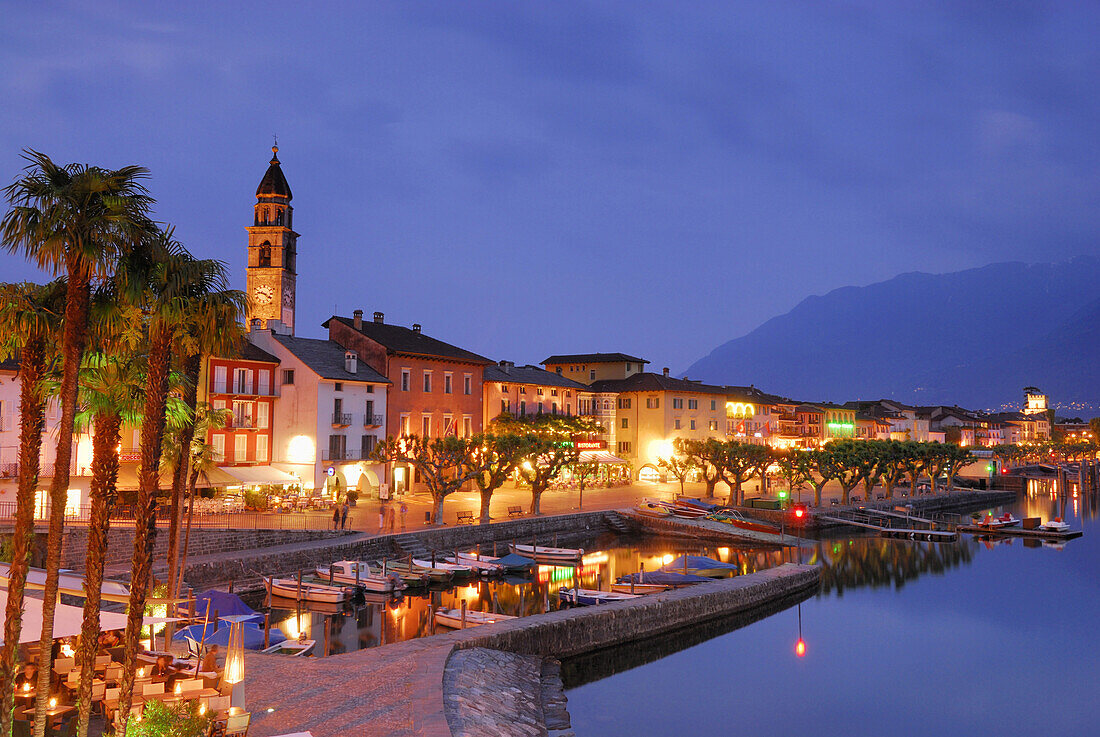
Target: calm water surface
(904,639)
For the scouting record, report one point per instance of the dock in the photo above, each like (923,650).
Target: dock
(884,522)
(1020,532)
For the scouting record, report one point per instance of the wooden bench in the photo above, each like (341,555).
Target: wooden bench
(466,517)
(515,511)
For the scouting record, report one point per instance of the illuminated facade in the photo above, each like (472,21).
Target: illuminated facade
(245,386)
(272,252)
(524,391)
(1035,402)
(587,368)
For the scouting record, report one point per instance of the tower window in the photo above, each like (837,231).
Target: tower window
(265,254)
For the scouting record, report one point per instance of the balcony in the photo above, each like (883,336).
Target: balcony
(9,470)
(241,423)
(233,458)
(372,420)
(246,391)
(341,419)
(346,454)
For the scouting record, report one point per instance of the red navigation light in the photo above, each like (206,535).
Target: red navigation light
(800,648)
(799,511)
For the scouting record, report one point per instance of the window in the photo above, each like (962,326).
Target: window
(240,448)
(368,411)
(405,379)
(467,426)
(337,447)
(338,386)
(288,376)
(242,381)
(426,424)
(367,446)
(624,447)
(624,402)
(447,429)
(404,424)
(467,384)
(553,392)
(554,408)
(624,423)
(427,381)
(713,404)
(693,404)
(558,370)
(652,402)
(242,414)
(261,448)
(693,424)
(592,375)
(677,423)
(538,391)
(504,405)
(263,419)
(523,390)
(714,424)
(523,408)
(629,366)
(370,388)
(504,388)
(677,403)
(219,379)
(448,379)
(218,441)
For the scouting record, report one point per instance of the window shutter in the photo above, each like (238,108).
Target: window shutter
(219,379)
(265,382)
(261,448)
(262,409)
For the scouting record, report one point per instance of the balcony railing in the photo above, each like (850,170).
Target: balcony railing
(233,458)
(372,420)
(247,392)
(347,454)
(341,419)
(241,423)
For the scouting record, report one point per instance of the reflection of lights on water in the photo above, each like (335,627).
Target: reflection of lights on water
(591,559)
(294,626)
(724,552)
(667,558)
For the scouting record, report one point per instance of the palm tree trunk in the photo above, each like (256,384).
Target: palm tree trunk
(32,421)
(145,522)
(104,479)
(75,337)
(187,533)
(179,479)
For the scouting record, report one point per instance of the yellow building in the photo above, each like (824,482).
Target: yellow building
(589,367)
(652,410)
(525,391)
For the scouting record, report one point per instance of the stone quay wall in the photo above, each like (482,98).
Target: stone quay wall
(956,501)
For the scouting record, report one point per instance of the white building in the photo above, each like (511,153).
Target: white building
(331,413)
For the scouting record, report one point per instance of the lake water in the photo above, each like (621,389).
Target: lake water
(384,619)
(904,639)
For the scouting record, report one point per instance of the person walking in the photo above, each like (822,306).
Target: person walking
(344,515)
(381,517)
(404,513)
(390,517)
(335,516)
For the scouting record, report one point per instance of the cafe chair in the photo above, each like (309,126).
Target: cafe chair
(152,689)
(190,684)
(21,728)
(62,666)
(113,673)
(102,661)
(237,725)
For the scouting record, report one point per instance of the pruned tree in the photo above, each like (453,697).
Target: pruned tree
(442,463)
(492,459)
(794,468)
(543,461)
(681,464)
(707,456)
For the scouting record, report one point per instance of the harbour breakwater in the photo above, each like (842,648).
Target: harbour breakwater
(427,686)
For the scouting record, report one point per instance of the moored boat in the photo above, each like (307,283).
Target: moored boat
(293,648)
(457,570)
(486,566)
(639,588)
(653,508)
(1055,525)
(547,555)
(686,510)
(699,565)
(665,578)
(735,518)
(587,597)
(995,523)
(290,588)
(453,618)
(358,573)
(407,571)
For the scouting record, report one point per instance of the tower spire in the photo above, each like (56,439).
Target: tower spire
(275,151)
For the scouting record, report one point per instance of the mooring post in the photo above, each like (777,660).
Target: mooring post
(463,614)
(299,584)
(267,630)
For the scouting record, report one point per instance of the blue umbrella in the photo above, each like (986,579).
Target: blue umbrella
(218,634)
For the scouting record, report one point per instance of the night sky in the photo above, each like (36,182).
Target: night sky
(534,178)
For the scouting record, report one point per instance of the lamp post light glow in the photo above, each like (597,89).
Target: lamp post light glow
(234,658)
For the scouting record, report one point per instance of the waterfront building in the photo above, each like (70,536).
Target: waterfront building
(436,388)
(331,414)
(811,421)
(840,421)
(751,415)
(591,367)
(652,410)
(869,427)
(1035,402)
(523,391)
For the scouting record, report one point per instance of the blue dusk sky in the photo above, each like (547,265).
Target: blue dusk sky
(528,178)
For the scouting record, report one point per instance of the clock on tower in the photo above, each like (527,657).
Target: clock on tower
(272,252)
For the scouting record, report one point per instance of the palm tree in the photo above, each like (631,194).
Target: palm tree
(171,286)
(203,459)
(74,219)
(110,397)
(30,315)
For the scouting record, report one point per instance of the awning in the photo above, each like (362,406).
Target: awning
(128,478)
(68,583)
(599,456)
(66,619)
(259,475)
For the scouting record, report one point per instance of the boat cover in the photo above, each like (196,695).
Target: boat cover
(696,502)
(663,578)
(222,604)
(698,562)
(217,633)
(514,561)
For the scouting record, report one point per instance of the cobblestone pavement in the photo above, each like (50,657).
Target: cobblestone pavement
(490,693)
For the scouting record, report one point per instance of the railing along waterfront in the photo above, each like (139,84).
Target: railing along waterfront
(123,516)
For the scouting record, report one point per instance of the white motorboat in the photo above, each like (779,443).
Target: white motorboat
(453,618)
(486,566)
(290,589)
(1055,525)
(293,648)
(548,556)
(358,573)
(585,597)
(457,569)
(995,523)
(638,588)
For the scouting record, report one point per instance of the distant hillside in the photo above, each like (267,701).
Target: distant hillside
(973,337)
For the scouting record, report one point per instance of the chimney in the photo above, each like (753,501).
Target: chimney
(357,319)
(506,366)
(665,370)
(351,361)
(379,317)
(416,327)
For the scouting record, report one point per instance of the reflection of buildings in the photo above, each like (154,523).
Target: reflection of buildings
(875,562)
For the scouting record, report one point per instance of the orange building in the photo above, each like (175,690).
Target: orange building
(244,385)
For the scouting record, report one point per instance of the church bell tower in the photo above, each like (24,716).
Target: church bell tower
(272,251)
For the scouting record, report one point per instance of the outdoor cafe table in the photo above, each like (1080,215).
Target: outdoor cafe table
(58,711)
(166,697)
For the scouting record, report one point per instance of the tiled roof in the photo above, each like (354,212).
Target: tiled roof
(593,358)
(650,382)
(326,359)
(248,351)
(529,375)
(399,339)
(274,183)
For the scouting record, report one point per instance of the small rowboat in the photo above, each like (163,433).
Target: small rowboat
(457,570)
(664,578)
(699,565)
(1055,525)
(735,518)
(453,618)
(639,588)
(587,597)
(686,510)
(550,556)
(653,508)
(414,572)
(358,573)
(293,648)
(289,588)
(485,566)
(996,523)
